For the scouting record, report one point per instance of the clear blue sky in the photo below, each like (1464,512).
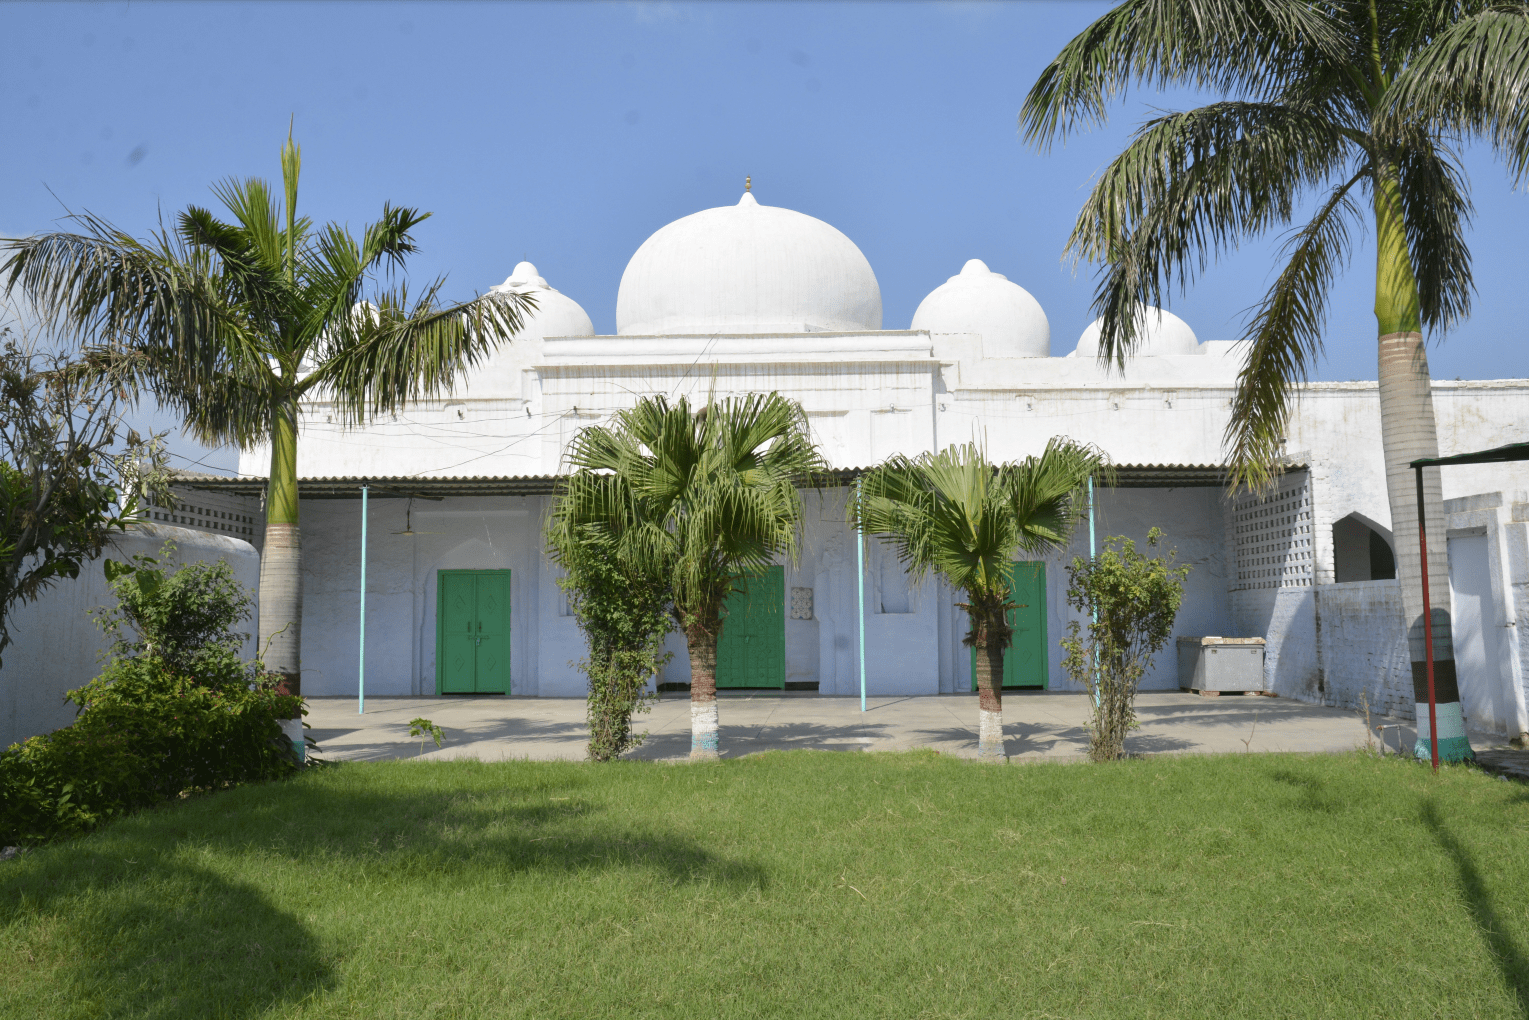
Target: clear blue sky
(567,133)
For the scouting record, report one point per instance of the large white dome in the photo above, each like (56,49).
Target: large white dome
(978,300)
(747,268)
(1159,333)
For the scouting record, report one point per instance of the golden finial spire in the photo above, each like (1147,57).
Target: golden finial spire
(748,184)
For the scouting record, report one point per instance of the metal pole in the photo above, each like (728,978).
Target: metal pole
(361,653)
(1095,609)
(1433,716)
(860,563)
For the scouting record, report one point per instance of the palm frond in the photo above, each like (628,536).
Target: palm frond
(1284,338)
(1189,188)
(373,359)
(955,513)
(254,207)
(1436,207)
(390,238)
(701,496)
(1472,79)
(1253,48)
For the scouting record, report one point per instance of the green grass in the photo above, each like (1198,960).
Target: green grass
(792,885)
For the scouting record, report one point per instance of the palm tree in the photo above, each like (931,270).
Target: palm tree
(234,324)
(1352,106)
(704,497)
(956,513)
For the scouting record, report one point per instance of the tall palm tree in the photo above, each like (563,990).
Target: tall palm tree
(955,513)
(1353,107)
(234,324)
(705,497)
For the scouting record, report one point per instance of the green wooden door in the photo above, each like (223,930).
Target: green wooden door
(1025,663)
(456,656)
(472,632)
(752,651)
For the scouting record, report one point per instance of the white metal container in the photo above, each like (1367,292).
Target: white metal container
(1221,664)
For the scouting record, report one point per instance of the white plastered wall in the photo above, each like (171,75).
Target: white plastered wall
(56,644)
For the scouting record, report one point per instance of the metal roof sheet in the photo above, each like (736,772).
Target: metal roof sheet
(1127,476)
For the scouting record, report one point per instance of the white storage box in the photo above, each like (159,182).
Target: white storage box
(1215,664)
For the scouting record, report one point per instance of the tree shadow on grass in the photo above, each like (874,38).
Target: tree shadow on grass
(139,934)
(143,919)
(1506,954)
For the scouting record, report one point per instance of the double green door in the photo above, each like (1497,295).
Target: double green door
(472,632)
(1024,664)
(752,650)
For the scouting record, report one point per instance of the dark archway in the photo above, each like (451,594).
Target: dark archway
(1361,552)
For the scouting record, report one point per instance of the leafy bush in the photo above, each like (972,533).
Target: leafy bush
(145,734)
(1132,600)
(174,711)
(185,618)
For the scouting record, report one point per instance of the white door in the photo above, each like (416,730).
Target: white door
(1478,636)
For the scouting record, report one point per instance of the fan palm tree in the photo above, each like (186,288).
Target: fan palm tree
(957,514)
(1347,110)
(233,325)
(704,497)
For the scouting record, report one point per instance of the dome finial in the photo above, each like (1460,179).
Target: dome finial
(748,184)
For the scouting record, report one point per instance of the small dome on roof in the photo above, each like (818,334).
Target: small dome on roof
(1159,333)
(978,300)
(747,268)
(556,313)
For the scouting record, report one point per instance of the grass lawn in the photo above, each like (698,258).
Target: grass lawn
(792,885)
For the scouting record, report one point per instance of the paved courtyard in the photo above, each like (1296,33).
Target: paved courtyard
(1039,725)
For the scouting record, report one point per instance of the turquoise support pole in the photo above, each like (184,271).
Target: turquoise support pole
(860,563)
(361,653)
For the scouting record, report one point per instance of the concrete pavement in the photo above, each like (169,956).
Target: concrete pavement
(1039,725)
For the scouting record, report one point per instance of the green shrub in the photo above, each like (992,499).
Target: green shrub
(145,734)
(624,614)
(174,711)
(1131,599)
(185,617)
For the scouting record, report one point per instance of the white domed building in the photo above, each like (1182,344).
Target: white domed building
(749,297)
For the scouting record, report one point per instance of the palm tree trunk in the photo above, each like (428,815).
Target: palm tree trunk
(989,645)
(1408,432)
(281,578)
(702,644)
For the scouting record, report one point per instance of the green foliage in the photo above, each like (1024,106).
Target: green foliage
(956,513)
(1343,113)
(174,711)
(624,614)
(185,617)
(700,496)
(68,482)
(423,728)
(696,497)
(145,734)
(1132,599)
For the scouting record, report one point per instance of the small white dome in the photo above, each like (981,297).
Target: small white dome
(1011,322)
(1159,333)
(556,313)
(747,268)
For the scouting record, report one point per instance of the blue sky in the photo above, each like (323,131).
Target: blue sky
(567,133)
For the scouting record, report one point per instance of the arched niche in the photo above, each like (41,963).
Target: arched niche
(1362,550)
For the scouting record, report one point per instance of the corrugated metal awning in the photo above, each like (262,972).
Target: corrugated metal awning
(1127,476)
